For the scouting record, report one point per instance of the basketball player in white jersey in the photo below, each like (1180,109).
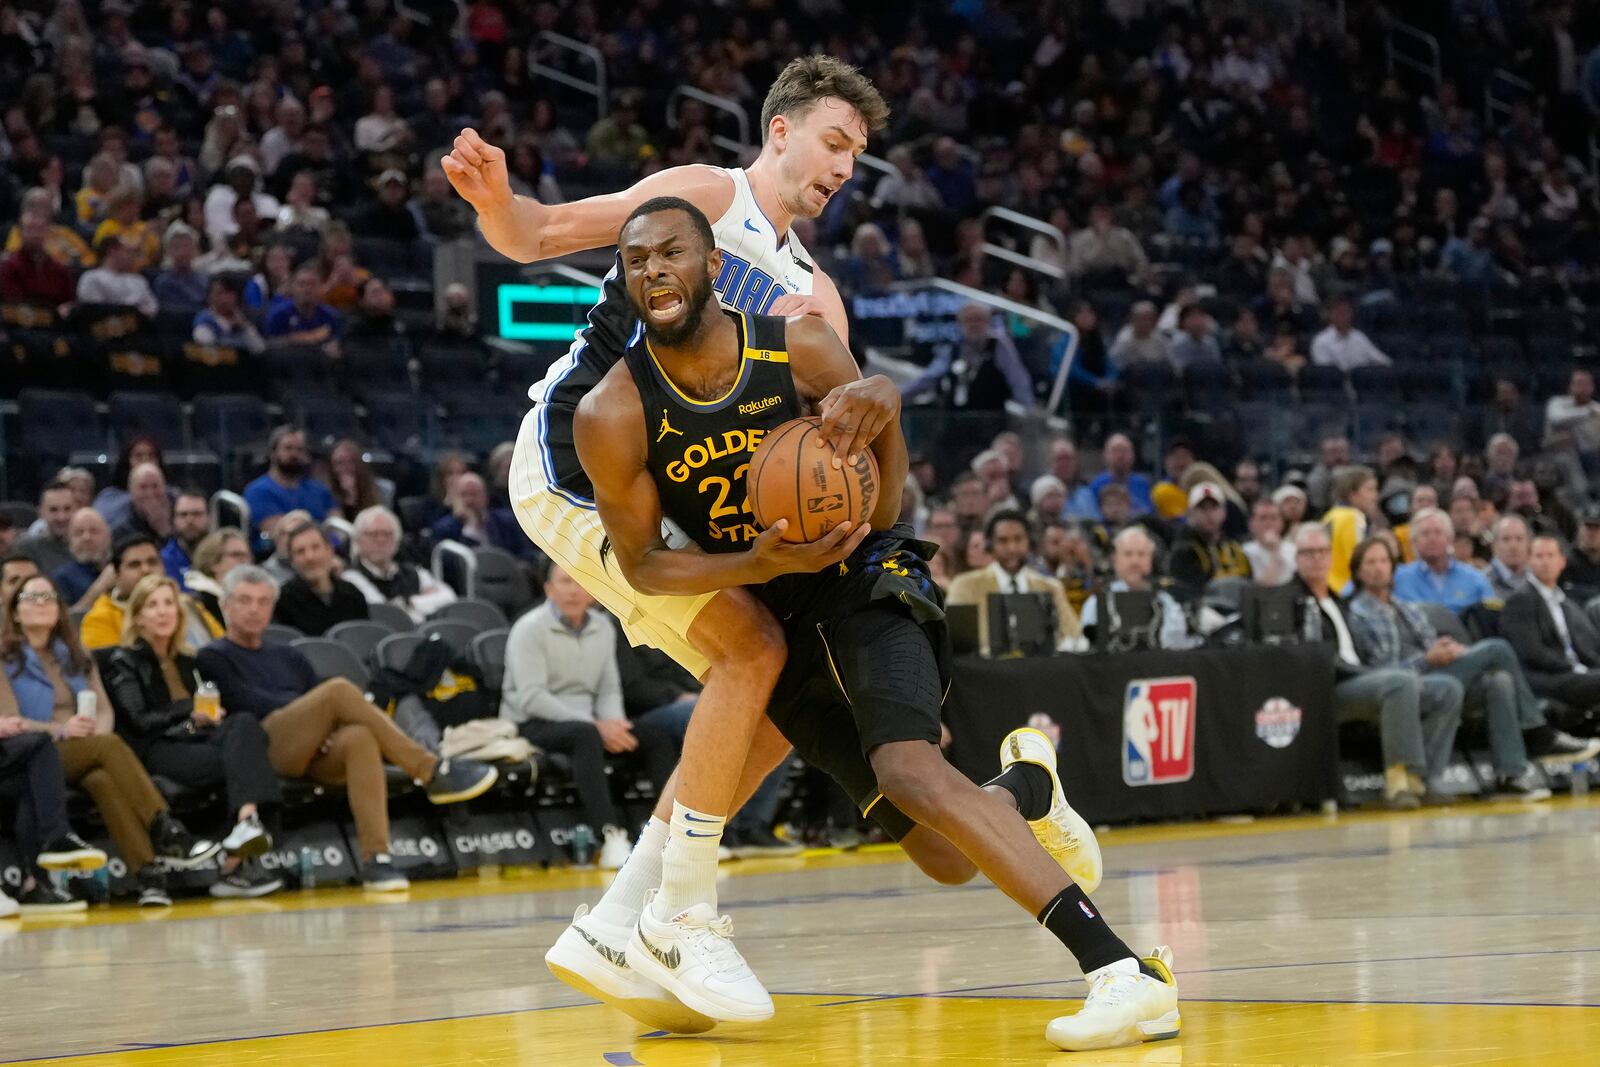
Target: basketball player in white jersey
(815,121)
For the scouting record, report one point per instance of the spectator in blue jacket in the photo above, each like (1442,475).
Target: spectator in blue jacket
(474,523)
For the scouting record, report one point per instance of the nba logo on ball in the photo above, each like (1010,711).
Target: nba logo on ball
(1158,731)
(1278,722)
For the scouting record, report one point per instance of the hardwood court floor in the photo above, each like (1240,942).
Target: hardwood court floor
(1465,936)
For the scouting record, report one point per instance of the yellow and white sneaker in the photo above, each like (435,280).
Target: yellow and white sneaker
(1063,832)
(591,957)
(1125,1006)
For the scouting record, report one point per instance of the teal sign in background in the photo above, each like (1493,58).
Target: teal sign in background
(567,305)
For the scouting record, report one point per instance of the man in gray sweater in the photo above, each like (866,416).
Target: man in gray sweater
(563,692)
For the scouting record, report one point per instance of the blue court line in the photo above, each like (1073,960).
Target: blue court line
(1250,1000)
(866,998)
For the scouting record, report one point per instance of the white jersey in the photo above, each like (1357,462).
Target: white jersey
(757,268)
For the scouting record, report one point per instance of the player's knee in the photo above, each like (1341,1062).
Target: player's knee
(905,779)
(766,644)
(741,635)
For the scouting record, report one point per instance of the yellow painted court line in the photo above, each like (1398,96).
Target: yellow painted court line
(521,880)
(924,1032)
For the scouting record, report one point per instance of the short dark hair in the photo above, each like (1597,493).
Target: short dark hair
(126,544)
(304,528)
(1006,515)
(657,204)
(16,557)
(810,79)
(279,433)
(193,491)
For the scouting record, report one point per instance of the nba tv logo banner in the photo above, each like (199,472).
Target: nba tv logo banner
(1158,731)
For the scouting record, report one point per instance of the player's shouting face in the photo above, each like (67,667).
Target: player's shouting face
(669,263)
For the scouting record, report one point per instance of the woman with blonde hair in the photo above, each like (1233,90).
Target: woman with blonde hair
(218,552)
(153,679)
(56,689)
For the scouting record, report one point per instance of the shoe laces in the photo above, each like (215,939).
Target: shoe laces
(712,941)
(1058,838)
(1112,990)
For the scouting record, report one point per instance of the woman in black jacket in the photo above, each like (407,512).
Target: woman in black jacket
(152,678)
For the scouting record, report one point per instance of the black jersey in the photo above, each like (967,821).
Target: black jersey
(699,451)
(612,327)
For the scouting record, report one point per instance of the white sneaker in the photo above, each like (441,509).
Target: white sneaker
(614,853)
(1125,1006)
(248,838)
(691,956)
(591,957)
(9,908)
(1063,832)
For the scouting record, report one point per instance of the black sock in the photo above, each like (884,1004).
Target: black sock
(1030,784)
(1077,924)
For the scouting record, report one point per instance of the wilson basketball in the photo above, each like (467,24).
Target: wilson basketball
(792,477)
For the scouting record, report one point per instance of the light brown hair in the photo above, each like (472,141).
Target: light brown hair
(810,79)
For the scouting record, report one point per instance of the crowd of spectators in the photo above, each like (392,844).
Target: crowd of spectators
(1243,205)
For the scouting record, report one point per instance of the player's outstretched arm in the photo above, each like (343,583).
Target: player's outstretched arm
(856,412)
(608,431)
(521,228)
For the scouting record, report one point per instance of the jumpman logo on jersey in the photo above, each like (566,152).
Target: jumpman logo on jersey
(666,428)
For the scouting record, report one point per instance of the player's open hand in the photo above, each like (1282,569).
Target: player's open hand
(477,169)
(797,304)
(775,556)
(854,414)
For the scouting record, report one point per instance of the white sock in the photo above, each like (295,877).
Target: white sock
(689,864)
(624,900)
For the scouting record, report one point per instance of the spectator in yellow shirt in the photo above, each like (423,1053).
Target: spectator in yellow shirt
(99,179)
(122,220)
(132,558)
(61,244)
(1355,496)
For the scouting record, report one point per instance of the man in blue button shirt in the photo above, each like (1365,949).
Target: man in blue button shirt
(285,487)
(1437,577)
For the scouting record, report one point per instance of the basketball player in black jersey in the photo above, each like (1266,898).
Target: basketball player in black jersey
(668,433)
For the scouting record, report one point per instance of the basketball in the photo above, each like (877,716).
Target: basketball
(792,477)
